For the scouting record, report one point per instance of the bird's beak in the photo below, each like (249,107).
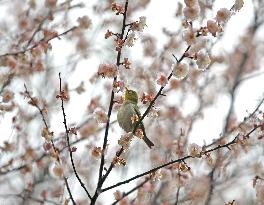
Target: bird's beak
(126,88)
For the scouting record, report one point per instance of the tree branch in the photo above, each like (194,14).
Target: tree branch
(234,141)
(101,179)
(132,190)
(68,141)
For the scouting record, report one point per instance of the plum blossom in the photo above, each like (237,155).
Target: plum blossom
(223,15)
(47,146)
(238,5)
(191,13)
(107,70)
(199,45)
(162,80)
(191,3)
(118,86)
(189,36)
(203,60)
(84,22)
(139,25)
(119,9)
(194,150)
(125,140)
(180,70)
(100,115)
(130,39)
(212,27)
(96,152)
(154,112)
(142,23)
(7,95)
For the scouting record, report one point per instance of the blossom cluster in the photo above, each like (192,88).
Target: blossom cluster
(195,38)
(107,70)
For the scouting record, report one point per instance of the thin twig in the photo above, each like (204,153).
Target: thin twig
(132,190)
(37,30)
(102,178)
(233,91)
(36,44)
(52,142)
(69,191)
(227,145)
(245,119)
(45,154)
(144,115)
(68,141)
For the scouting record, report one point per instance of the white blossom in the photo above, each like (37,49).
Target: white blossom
(100,115)
(130,39)
(180,70)
(238,5)
(142,23)
(125,140)
(199,45)
(203,60)
(191,3)
(191,13)
(223,15)
(189,36)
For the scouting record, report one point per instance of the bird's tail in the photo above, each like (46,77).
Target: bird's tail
(146,139)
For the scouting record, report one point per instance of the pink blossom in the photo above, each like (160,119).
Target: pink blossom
(107,70)
(118,86)
(47,146)
(100,115)
(212,27)
(84,22)
(139,25)
(125,140)
(162,80)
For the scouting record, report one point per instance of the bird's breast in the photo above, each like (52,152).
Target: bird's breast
(124,115)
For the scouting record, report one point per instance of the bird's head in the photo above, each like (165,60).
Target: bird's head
(131,95)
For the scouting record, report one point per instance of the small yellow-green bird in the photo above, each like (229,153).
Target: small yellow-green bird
(128,111)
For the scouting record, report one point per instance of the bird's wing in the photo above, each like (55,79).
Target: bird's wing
(136,109)
(146,140)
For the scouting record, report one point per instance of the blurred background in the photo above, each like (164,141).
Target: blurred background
(40,39)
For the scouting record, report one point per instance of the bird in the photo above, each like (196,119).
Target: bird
(128,111)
